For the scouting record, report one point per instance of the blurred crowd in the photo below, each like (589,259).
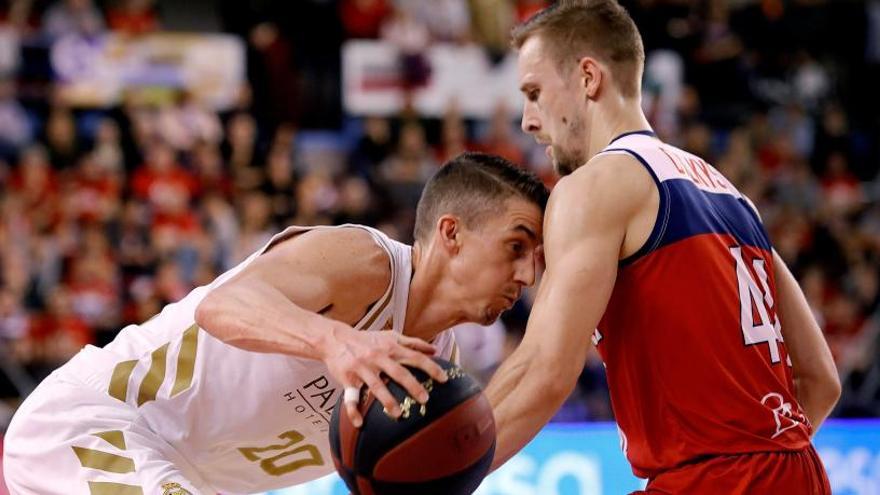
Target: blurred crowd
(108,214)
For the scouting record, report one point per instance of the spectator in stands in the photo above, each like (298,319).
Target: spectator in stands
(256,227)
(107,149)
(55,336)
(91,193)
(406,32)
(500,138)
(372,148)
(16,130)
(279,186)
(453,137)
(363,19)
(35,184)
(405,172)
(492,21)
(447,20)
(161,181)
(209,170)
(133,17)
(72,17)
(61,138)
(187,122)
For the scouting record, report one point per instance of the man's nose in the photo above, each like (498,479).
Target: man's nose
(525,272)
(530,124)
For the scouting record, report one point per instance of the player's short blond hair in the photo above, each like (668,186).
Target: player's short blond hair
(602,29)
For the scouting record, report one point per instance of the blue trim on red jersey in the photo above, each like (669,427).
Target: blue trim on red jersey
(686,211)
(695,212)
(657,233)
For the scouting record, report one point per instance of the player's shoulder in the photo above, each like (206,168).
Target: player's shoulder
(347,258)
(353,254)
(618,179)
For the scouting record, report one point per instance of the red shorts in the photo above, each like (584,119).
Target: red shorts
(798,472)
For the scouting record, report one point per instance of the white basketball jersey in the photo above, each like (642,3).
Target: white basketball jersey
(244,421)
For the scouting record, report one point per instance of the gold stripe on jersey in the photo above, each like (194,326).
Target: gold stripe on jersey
(154,377)
(105,488)
(186,360)
(104,461)
(113,437)
(119,381)
(453,356)
(379,311)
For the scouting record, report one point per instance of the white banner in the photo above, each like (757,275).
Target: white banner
(97,71)
(372,80)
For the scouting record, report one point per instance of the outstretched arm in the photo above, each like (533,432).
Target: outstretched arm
(584,230)
(817,385)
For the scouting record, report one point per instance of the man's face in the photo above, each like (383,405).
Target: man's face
(554,104)
(497,259)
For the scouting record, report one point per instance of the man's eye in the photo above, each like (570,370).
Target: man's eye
(516,247)
(533,96)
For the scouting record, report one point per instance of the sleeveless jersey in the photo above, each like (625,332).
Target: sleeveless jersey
(692,346)
(244,421)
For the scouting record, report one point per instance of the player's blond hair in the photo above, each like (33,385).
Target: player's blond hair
(602,29)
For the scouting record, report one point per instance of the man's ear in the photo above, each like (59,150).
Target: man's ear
(449,233)
(591,74)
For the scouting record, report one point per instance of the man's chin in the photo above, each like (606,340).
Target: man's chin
(562,169)
(490,316)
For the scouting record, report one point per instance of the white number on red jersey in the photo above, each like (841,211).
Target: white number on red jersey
(759,297)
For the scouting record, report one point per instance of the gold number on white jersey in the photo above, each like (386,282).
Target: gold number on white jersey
(304,455)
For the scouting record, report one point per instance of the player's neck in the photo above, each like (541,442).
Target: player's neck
(614,119)
(427,312)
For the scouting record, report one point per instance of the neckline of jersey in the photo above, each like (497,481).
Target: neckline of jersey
(644,132)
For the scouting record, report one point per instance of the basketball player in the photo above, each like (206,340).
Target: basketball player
(718,372)
(230,389)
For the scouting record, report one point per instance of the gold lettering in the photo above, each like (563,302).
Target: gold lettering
(408,402)
(455,372)
(271,464)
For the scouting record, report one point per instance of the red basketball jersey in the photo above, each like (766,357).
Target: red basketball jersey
(691,342)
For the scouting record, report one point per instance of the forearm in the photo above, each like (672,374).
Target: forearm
(259,318)
(536,379)
(518,416)
(817,398)
(817,385)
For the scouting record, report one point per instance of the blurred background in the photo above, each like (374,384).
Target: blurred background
(147,146)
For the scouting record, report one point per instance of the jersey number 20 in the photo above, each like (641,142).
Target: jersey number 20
(284,458)
(756,298)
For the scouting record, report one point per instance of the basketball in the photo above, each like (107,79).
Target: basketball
(443,447)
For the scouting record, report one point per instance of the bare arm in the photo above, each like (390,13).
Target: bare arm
(273,306)
(253,313)
(584,230)
(817,385)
